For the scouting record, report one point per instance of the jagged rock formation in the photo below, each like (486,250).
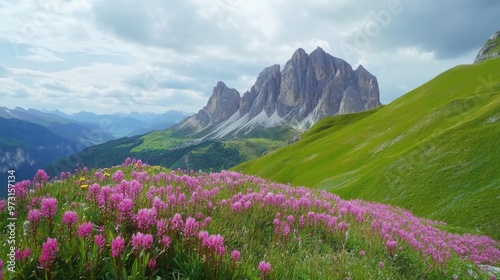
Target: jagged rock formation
(490,50)
(308,88)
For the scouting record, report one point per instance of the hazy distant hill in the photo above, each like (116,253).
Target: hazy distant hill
(126,125)
(27,147)
(83,133)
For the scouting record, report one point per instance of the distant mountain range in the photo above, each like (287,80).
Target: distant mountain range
(232,128)
(126,125)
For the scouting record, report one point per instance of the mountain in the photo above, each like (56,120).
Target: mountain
(26,147)
(84,134)
(490,50)
(309,88)
(434,151)
(232,128)
(126,125)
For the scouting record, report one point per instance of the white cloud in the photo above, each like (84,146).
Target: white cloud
(41,55)
(158,55)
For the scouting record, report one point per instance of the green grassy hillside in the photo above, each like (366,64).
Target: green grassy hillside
(435,151)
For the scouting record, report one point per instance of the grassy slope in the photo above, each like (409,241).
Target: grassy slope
(434,150)
(250,146)
(160,140)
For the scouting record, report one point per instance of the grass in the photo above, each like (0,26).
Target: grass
(163,140)
(434,151)
(254,147)
(197,221)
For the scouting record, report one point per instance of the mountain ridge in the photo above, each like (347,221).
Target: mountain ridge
(310,87)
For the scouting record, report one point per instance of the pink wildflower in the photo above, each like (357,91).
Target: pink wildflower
(177,222)
(49,207)
(34,216)
(2,205)
(142,241)
(202,235)
(286,230)
(117,246)
(40,178)
(125,207)
(161,226)
(191,227)
(48,255)
(237,206)
(235,255)
(85,229)
(165,241)
(100,242)
(391,245)
(214,242)
(21,255)
(22,188)
(362,253)
(381,265)
(145,218)
(265,268)
(117,176)
(152,264)
(70,218)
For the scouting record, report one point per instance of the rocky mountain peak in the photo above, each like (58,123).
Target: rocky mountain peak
(310,87)
(223,103)
(299,54)
(490,50)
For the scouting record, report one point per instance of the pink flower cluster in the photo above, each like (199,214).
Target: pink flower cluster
(100,242)
(142,241)
(264,267)
(49,207)
(22,188)
(213,242)
(70,218)
(49,250)
(21,255)
(117,246)
(146,218)
(178,207)
(85,230)
(40,178)
(34,216)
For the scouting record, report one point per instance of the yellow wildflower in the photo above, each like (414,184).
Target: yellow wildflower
(84,186)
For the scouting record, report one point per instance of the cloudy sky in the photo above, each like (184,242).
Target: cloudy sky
(111,56)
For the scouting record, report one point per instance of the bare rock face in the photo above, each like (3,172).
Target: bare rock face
(318,85)
(490,50)
(308,88)
(263,95)
(223,103)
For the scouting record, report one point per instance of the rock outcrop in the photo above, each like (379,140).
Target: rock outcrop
(490,50)
(308,88)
